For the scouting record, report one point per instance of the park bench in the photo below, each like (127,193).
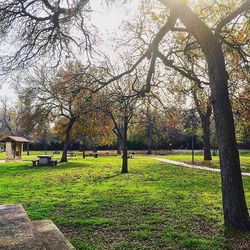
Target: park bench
(35,163)
(129,156)
(93,154)
(71,154)
(18,232)
(56,152)
(53,162)
(160,153)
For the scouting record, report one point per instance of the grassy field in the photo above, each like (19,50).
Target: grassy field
(155,206)
(187,157)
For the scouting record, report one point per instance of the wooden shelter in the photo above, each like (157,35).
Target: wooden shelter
(14,147)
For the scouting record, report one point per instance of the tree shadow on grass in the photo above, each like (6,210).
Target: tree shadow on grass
(26,166)
(238,240)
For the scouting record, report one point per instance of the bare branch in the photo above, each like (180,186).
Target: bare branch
(245,6)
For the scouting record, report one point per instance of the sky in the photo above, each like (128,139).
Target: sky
(8,92)
(107,19)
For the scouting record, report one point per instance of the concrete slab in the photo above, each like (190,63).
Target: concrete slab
(51,237)
(16,230)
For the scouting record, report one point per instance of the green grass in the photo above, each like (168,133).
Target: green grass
(187,157)
(155,206)
(33,155)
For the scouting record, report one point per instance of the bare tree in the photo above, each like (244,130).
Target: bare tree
(5,118)
(42,28)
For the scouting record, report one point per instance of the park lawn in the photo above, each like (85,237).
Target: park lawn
(33,155)
(244,160)
(155,206)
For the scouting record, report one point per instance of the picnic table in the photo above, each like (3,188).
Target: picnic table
(44,160)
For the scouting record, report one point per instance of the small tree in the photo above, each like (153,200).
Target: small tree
(119,103)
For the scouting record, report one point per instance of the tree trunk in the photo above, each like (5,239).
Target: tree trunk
(119,151)
(125,146)
(234,204)
(235,209)
(205,124)
(149,136)
(67,141)
(45,149)
(83,150)
(206,144)
(28,149)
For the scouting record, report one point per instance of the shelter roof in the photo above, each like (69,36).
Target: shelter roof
(14,139)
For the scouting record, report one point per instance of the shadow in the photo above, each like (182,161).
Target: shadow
(241,240)
(26,166)
(101,179)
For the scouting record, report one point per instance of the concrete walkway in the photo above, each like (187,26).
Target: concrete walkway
(17,232)
(182,164)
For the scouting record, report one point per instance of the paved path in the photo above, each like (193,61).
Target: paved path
(182,164)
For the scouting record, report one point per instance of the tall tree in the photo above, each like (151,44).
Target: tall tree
(63,96)
(235,210)
(93,129)
(209,39)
